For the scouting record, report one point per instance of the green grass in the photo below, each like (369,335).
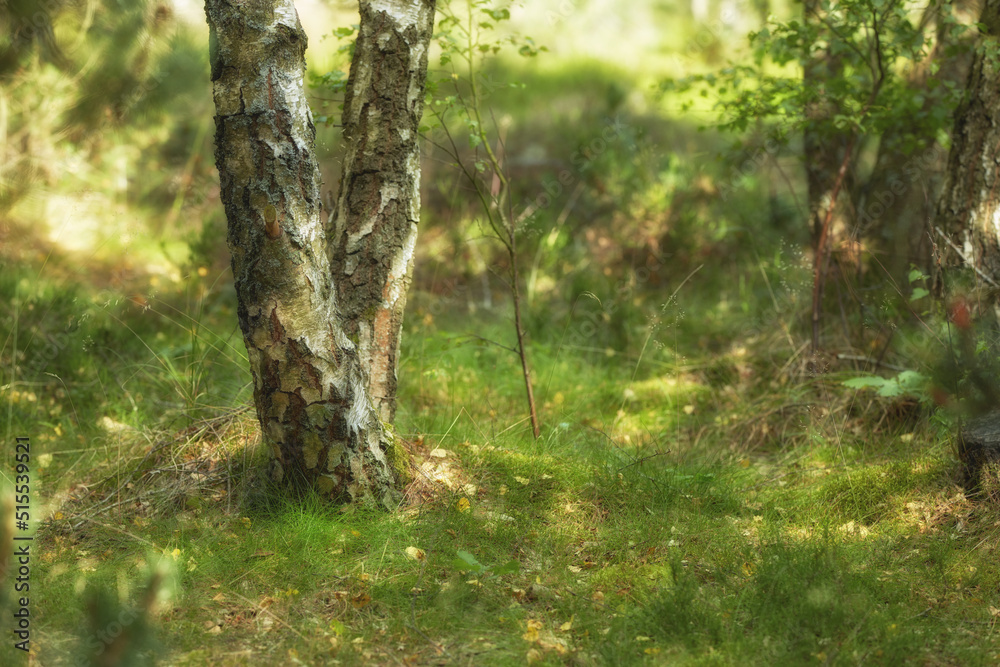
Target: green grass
(643,533)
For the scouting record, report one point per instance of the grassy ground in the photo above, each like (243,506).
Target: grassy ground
(699,495)
(690,501)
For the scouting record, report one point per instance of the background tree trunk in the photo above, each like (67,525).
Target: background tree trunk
(896,204)
(823,149)
(829,160)
(968,211)
(310,386)
(373,229)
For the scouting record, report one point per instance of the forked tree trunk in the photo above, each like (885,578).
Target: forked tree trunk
(310,384)
(968,211)
(373,229)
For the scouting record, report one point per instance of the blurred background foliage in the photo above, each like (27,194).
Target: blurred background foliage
(641,145)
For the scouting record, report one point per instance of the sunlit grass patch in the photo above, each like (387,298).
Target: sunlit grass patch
(871,493)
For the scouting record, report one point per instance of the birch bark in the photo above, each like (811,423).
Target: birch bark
(311,380)
(968,210)
(373,229)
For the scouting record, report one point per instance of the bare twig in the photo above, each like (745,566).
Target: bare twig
(969,263)
(869,360)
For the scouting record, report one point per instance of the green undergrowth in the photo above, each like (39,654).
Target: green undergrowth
(685,504)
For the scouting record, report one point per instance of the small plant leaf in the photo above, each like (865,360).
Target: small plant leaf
(507,568)
(864,381)
(467,562)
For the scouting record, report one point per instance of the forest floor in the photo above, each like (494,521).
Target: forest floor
(692,501)
(704,492)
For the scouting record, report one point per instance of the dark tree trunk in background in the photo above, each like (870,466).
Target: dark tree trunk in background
(373,229)
(897,203)
(828,178)
(968,211)
(823,150)
(311,386)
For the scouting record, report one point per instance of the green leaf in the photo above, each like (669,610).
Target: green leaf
(507,568)
(918,293)
(911,381)
(864,381)
(467,562)
(498,14)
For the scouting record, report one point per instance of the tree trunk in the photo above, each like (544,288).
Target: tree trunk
(828,178)
(968,213)
(373,229)
(896,204)
(310,385)
(823,147)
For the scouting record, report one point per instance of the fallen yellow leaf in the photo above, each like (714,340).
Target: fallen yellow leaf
(414,553)
(531,634)
(463,505)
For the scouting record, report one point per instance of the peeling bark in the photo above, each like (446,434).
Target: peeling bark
(968,211)
(373,229)
(310,385)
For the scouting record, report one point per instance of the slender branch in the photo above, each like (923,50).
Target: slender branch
(502,221)
(487,340)
(869,360)
(969,262)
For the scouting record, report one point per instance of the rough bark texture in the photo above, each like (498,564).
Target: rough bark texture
(968,211)
(310,387)
(373,229)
